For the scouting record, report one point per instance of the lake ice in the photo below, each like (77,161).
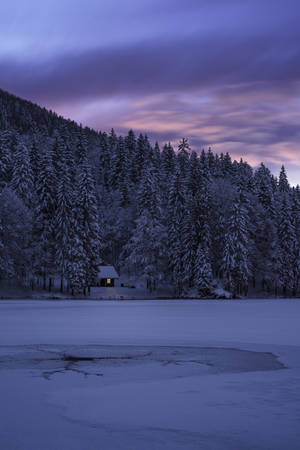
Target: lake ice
(182,374)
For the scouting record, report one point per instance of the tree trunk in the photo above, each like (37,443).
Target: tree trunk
(284,290)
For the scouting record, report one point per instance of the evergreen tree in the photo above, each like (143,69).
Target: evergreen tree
(145,250)
(183,156)
(287,246)
(64,221)
(88,220)
(5,157)
(203,273)
(283,183)
(296,248)
(196,227)
(236,252)
(22,178)
(44,222)
(176,210)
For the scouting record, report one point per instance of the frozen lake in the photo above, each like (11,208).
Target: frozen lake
(137,375)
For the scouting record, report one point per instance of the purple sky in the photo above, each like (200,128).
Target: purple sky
(225,73)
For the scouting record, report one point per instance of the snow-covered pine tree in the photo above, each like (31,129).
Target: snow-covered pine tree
(236,262)
(141,156)
(15,235)
(146,249)
(203,272)
(87,213)
(243,176)
(168,161)
(109,158)
(76,265)
(44,223)
(104,165)
(226,165)
(196,227)
(265,261)
(211,161)
(183,156)
(22,177)
(5,157)
(296,250)
(155,156)
(167,170)
(120,165)
(283,183)
(130,144)
(3,260)
(287,241)
(64,220)
(176,210)
(34,155)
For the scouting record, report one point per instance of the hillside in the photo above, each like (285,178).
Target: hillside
(71,198)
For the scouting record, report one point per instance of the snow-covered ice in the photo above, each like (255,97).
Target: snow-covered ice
(137,375)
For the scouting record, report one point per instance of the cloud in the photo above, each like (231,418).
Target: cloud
(151,67)
(225,74)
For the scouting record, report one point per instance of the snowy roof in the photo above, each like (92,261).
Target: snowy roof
(107,272)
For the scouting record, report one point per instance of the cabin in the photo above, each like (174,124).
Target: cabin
(107,276)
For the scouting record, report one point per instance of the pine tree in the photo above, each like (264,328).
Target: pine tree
(104,165)
(167,170)
(5,157)
(44,224)
(203,273)
(265,261)
(183,145)
(283,183)
(22,177)
(88,220)
(146,249)
(183,156)
(168,161)
(176,210)
(15,237)
(211,161)
(76,258)
(63,223)
(236,265)
(34,156)
(196,226)
(3,260)
(296,248)
(287,246)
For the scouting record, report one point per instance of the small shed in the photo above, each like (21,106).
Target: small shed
(107,276)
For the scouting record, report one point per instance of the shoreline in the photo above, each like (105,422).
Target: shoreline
(54,298)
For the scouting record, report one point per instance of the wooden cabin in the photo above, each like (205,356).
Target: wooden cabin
(107,276)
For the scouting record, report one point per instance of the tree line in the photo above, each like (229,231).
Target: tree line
(71,198)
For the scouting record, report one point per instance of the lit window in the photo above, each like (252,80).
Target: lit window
(108,280)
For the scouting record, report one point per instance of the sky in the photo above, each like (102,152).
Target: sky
(224,73)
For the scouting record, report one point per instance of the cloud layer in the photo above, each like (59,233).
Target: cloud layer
(226,75)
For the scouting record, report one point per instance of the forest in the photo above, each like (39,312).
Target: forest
(72,198)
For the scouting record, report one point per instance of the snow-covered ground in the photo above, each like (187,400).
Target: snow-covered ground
(86,375)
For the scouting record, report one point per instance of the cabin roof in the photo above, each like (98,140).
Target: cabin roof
(107,272)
